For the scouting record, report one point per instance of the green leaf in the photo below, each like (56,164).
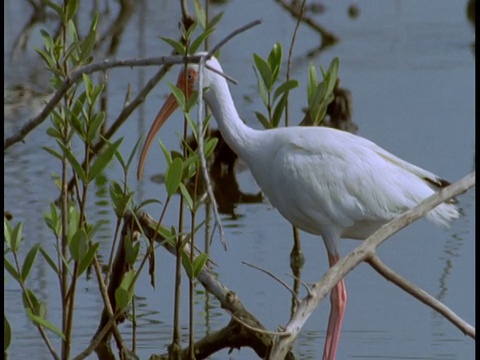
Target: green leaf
(200,262)
(13,236)
(78,125)
(187,264)
(263,120)
(78,245)
(209,147)
(17,236)
(87,82)
(191,101)
(11,270)
(265,71)
(214,21)
(199,40)
(124,293)
(54,133)
(57,8)
(46,324)
(7,232)
(49,260)
(190,166)
(186,197)
(275,61)
(179,95)
(93,25)
(94,126)
(88,258)
(87,46)
(131,250)
(332,75)
(47,57)
(176,45)
(78,105)
(104,159)
(30,301)
(119,199)
(277,113)
(200,14)
(132,154)
(97,91)
(71,9)
(173,176)
(77,167)
(72,31)
(262,89)
(73,221)
(52,220)
(28,262)
(187,33)
(285,88)
(166,153)
(93,230)
(122,298)
(7,334)
(193,126)
(312,82)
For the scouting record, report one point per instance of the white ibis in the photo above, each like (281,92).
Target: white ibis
(324,181)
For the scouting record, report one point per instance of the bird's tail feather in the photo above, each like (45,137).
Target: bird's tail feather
(443,214)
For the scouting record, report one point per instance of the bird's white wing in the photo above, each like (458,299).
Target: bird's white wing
(343,181)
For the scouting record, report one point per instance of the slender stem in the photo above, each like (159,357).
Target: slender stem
(191,337)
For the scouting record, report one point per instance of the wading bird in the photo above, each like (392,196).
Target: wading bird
(324,181)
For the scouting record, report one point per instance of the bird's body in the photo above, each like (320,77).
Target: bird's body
(321,177)
(324,181)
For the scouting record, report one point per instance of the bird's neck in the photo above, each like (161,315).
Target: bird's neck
(237,135)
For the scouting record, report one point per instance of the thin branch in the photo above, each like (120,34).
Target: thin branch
(421,295)
(233,34)
(203,161)
(255,329)
(285,285)
(328,38)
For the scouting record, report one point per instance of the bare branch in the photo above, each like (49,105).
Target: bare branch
(233,34)
(285,285)
(328,38)
(203,161)
(421,295)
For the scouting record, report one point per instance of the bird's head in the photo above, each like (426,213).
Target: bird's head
(187,82)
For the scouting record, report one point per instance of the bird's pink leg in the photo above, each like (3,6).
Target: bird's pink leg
(338,302)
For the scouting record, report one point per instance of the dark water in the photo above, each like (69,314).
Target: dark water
(410,68)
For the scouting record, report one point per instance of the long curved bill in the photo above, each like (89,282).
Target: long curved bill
(167,109)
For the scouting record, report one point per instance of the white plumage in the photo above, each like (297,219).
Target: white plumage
(324,181)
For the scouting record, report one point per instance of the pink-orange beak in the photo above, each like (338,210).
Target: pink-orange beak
(184,83)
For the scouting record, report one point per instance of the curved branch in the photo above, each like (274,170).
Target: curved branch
(421,295)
